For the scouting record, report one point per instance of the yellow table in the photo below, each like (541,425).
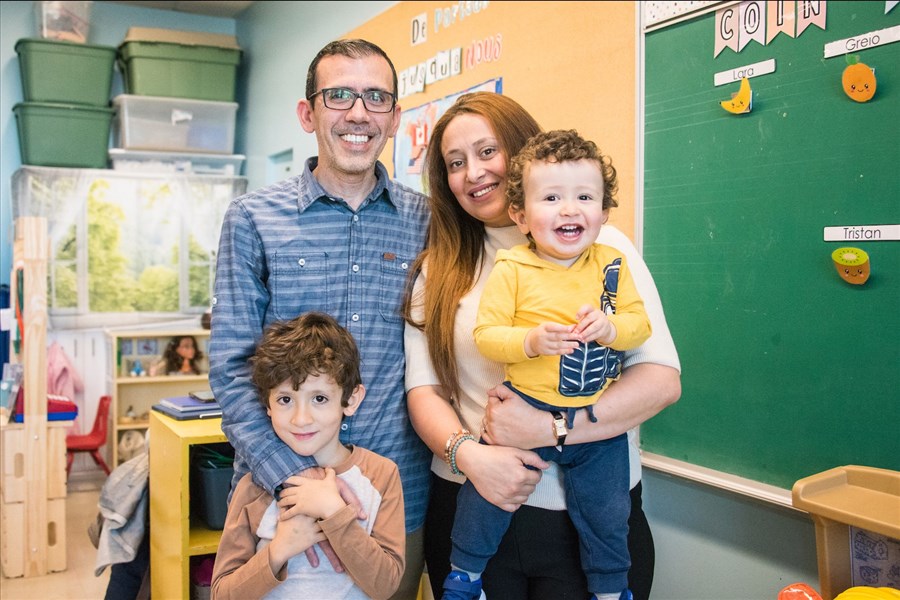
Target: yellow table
(174,536)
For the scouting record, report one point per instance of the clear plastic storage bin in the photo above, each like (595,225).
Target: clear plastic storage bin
(69,21)
(176,162)
(174,124)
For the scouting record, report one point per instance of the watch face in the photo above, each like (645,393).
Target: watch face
(559,425)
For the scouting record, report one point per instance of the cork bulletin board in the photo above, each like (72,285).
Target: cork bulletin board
(571,64)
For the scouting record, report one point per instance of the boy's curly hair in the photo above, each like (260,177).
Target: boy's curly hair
(311,344)
(559,145)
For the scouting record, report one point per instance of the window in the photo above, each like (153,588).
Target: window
(126,247)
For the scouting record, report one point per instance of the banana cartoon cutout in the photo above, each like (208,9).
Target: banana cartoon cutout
(742,102)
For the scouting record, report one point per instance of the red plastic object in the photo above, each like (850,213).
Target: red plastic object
(798,591)
(93,441)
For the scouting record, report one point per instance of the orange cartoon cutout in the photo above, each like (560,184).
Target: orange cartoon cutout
(852,264)
(742,102)
(858,81)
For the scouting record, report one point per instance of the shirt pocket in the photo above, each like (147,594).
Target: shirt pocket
(394,274)
(298,282)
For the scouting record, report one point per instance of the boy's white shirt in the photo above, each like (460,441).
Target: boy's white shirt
(322,581)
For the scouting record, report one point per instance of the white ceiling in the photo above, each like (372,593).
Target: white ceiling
(229,9)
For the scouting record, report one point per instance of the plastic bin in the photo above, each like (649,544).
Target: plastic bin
(174,124)
(64,72)
(68,21)
(179,64)
(211,474)
(63,135)
(227,165)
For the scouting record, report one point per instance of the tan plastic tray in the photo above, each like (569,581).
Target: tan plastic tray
(863,497)
(851,496)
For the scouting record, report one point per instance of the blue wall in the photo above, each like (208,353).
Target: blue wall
(711,545)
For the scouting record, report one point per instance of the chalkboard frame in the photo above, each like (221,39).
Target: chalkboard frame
(787,370)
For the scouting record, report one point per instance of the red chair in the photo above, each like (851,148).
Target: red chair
(93,441)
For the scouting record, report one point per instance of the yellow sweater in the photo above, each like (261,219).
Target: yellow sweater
(524,291)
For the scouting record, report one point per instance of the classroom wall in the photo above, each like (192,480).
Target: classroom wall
(711,545)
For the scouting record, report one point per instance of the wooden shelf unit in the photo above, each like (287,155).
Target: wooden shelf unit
(33,479)
(174,536)
(141,392)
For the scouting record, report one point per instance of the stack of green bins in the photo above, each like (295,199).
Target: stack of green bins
(65,118)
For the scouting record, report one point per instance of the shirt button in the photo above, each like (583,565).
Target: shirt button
(355,218)
(355,268)
(343,427)
(354,317)
(301,262)
(404,266)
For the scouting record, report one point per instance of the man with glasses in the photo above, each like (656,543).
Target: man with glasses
(338,238)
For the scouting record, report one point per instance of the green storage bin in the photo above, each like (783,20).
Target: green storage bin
(211,474)
(63,135)
(179,64)
(65,72)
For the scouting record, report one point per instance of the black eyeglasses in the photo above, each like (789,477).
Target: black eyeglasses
(375,101)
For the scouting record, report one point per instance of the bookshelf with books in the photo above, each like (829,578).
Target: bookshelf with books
(134,390)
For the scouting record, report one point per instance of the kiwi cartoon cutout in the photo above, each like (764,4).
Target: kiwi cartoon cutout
(852,264)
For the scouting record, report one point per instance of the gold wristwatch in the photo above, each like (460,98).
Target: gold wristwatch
(559,427)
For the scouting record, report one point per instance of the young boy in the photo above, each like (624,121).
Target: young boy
(307,373)
(559,312)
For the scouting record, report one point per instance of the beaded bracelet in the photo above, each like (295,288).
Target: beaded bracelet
(456,444)
(452,440)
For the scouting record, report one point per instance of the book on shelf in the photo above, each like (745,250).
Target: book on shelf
(189,404)
(187,414)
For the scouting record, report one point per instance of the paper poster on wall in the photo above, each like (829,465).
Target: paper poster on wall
(416,123)
(875,559)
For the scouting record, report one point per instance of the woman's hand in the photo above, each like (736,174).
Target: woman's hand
(500,473)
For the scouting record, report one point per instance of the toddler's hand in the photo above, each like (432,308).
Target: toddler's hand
(593,325)
(549,339)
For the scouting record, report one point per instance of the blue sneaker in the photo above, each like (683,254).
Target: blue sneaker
(626,595)
(458,587)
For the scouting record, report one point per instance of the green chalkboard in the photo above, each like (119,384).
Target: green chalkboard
(786,369)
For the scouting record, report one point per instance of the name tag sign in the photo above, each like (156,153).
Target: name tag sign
(863,233)
(861,42)
(749,71)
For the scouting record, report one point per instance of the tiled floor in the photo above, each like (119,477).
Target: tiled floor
(77,582)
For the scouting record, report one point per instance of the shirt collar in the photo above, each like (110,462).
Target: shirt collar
(310,190)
